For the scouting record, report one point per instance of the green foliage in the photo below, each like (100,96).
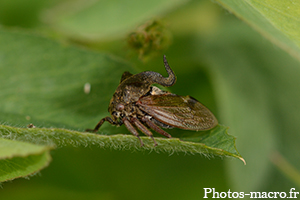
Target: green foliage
(19,159)
(214,142)
(276,20)
(250,85)
(44,93)
(102,20)
(149,38)
(260,94)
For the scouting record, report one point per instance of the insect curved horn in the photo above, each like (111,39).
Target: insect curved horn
(154,77)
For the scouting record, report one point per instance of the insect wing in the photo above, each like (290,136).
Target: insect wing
(183,112)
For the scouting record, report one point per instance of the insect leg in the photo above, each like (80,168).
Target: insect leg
(110,120)
(143,129)
(132,130)
(155,127)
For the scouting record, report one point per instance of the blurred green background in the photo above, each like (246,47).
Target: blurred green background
(248,82)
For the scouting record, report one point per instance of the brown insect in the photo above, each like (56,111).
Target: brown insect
(136,103)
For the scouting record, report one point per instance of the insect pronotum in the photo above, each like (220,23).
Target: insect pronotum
(138,104)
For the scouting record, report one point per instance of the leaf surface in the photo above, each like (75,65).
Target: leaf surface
(113,18)
(277,20)
(20,159)
(44,86)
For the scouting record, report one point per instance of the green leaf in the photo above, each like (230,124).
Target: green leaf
(44,86)
(105,19)
(42,82)
(277,20)
(213,142)
(20,159)
(257,90)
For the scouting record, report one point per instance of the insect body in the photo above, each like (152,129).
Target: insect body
(138,104)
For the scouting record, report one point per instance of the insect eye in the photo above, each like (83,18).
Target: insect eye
(120,107)
(115,114)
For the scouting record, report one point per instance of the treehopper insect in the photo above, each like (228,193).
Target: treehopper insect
(138,104)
